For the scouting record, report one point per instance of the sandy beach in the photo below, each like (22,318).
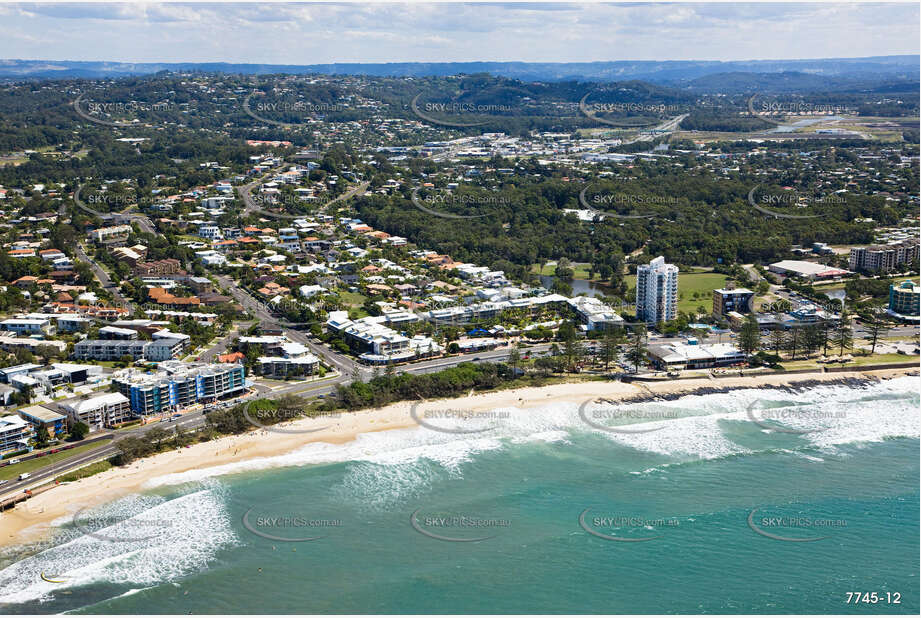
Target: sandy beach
(31,519)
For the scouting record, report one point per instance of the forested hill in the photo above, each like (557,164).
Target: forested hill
(880,69)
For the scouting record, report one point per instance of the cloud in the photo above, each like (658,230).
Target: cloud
(309,33)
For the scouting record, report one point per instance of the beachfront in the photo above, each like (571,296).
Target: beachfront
(33,519)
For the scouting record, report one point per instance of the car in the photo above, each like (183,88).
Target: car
(24,476)
(14,461)
(476,358)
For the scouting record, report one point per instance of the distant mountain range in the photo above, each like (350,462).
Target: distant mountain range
(740,76)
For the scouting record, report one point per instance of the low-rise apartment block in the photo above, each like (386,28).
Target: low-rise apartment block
(15,433)
(113,234)
(108,410)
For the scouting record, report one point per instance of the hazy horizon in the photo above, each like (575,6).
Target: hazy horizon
(321,33)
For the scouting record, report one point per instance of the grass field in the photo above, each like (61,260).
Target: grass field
(859,361)
(10,472)
(353,298)
(580,269)
(702,284)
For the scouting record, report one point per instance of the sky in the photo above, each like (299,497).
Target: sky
(283,33)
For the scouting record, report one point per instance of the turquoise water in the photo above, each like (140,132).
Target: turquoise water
(689,487)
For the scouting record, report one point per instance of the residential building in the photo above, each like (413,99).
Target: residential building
(25,326)
(905,300)
(657,291)
(108,410)
(594,314)
(730,299)
(211,232)
(106,235)
(883,258)
(166,345)
(178,385)
(158,268)
(42,416)
(15,433)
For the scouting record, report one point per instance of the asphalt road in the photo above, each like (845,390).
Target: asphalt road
(103,277)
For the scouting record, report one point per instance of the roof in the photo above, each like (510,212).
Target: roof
(86,405)
(42,413)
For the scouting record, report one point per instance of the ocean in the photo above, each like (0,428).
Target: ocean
(750,501)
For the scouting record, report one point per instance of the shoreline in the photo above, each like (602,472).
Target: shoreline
(31,520)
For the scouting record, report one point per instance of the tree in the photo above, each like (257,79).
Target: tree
(610,344)
(42,437)
(778,340)
(158,435)
(514,357)
(750,335)
(79,430)
(637,352)
(812,339)
(794,341)
(843,336)
(876,327)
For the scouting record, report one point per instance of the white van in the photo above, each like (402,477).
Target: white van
(23,476)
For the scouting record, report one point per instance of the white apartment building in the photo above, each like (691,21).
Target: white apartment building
(110,234)
(101,411)
(15,433)
(657,291)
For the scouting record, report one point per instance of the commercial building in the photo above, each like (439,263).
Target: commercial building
(806,270)
(692,355)
(883,258)
(178,385)
(726,300)
(905,301)
(657,291)
(108,410)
